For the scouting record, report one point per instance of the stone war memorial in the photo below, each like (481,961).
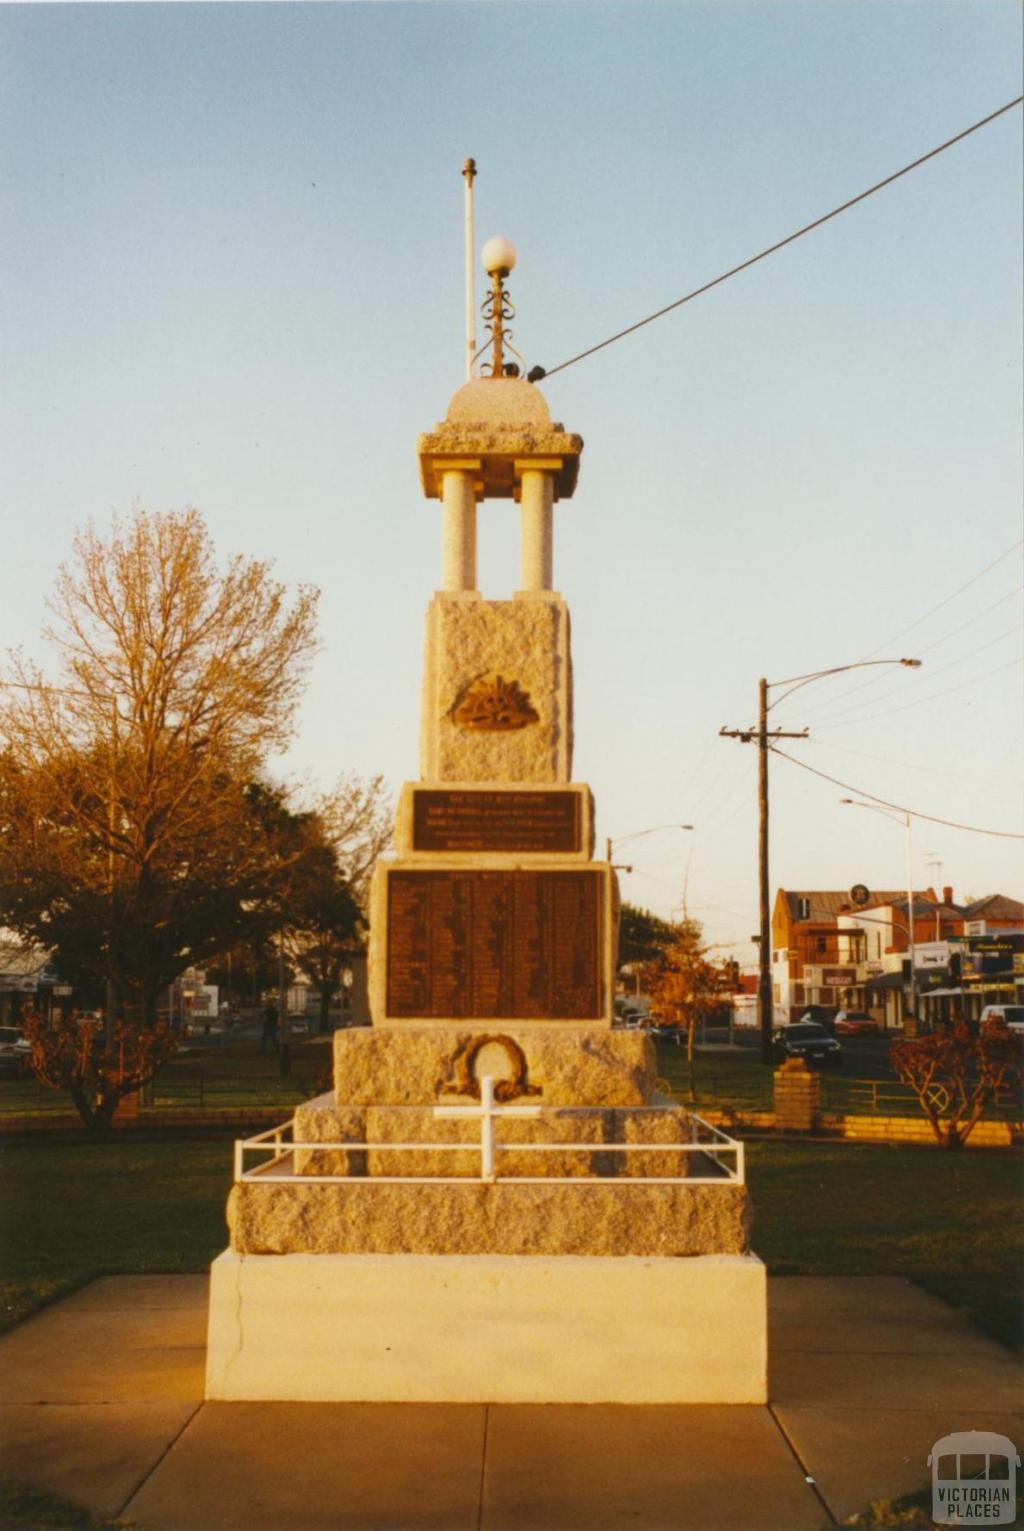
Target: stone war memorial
(494,1203)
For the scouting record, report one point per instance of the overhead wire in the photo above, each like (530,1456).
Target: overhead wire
(539,372)
(876,678)
(974,829)
(933,696)
(946,599)
(907,765)
(971,620)
(898,690)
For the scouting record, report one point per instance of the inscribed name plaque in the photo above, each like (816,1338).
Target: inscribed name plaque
(509,945)
(450,820)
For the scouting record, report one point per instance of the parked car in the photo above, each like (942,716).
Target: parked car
(1010,1015)
(631,1016)
(855,1023)
(14,1051)
(807,1040)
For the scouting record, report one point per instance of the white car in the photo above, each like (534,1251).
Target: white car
(1011,1016)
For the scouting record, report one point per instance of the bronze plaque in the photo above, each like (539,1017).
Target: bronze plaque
(496,821)
(514,945)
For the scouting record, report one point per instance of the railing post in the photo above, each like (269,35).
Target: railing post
(741,1162)
(238,1160)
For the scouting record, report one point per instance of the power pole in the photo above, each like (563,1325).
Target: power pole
(765,1006)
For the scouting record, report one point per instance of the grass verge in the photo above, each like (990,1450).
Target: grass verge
(71,1210)
(950,1221)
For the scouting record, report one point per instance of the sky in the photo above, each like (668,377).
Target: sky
(233,278)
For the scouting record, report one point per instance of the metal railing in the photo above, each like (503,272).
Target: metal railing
(279,1146)
(889,1097)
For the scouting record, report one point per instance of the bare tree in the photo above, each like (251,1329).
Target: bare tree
(358,821)
(956,1075)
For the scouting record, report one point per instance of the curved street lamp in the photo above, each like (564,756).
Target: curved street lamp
(610,844)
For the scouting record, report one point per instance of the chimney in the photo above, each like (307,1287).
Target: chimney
(947,895)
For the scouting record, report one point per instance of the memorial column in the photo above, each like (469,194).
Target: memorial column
(458,497)
(536,492)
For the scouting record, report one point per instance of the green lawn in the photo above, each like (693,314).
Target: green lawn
(234,1074)
(951,1221)
(71,1210)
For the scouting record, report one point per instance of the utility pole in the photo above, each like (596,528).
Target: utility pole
(765,1005)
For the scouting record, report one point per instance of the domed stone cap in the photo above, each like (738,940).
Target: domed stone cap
(496,428)
(501,403)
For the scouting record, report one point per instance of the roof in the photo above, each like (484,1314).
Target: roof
(995,906)
(924,903)
(826,905)
(885,981)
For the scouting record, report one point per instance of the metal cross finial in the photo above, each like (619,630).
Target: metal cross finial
(485,1113)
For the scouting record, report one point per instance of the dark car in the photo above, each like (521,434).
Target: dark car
(807,1040)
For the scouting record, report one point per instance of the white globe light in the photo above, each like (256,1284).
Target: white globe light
(498,254)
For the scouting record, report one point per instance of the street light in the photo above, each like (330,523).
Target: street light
(765,1004)
(624,839)
(94,696)
(899,816)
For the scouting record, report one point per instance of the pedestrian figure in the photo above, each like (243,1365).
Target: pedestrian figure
(270,1029)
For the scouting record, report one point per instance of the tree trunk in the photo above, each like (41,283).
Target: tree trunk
(690,1030)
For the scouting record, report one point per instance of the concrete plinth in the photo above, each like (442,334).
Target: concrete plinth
(487,1329)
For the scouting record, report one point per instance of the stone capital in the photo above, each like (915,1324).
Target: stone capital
(499,457)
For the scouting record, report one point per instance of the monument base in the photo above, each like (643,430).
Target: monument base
(487,1329)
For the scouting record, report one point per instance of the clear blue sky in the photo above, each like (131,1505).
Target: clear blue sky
(232,277)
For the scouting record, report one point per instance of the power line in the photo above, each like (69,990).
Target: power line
(946,600)
(844,712)
(1001,834)
(971,620)
(538,372)
(933,696)
(910,765)
(872,680)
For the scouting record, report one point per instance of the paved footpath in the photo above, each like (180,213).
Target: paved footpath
(101,1401)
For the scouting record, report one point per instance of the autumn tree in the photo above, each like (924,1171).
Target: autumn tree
(685,985)
(71,1055)
(955,1075)
(134,836)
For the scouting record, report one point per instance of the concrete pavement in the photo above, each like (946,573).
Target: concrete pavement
(101,1401)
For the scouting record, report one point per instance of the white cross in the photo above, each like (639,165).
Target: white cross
(486,1112)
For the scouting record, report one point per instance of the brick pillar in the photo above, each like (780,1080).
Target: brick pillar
(797,1097)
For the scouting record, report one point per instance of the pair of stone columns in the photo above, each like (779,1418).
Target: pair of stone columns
(459,488)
